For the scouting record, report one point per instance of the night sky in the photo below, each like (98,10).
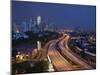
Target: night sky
(61,15)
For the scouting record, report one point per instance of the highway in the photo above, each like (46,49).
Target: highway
(58,61)
(69,54)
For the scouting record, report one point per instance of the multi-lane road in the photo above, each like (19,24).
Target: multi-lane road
(63,45)
(58,61)
(61,63)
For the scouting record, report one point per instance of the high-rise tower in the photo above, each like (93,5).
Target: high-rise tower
(30,24)
(24,26)
(38,20)
(39,23)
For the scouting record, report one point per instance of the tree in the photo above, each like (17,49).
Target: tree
(41,66)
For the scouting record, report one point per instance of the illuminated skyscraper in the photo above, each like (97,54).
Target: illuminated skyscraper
(38,20)
(39,23)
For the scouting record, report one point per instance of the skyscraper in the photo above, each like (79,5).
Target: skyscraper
(38,20)
(30,24)
(39,23)
(25,26)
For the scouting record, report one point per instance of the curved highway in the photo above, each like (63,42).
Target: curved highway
(58,61)
(72,56)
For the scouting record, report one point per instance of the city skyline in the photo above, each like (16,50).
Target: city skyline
(62,16)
